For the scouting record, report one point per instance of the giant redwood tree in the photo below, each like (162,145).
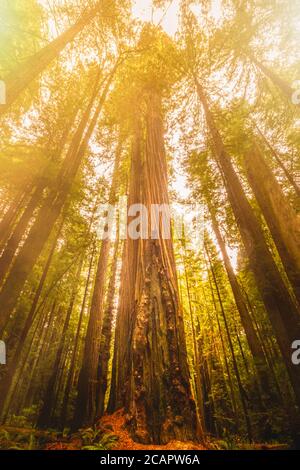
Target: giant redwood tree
(154,387)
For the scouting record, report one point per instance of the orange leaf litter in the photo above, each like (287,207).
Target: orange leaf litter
(116,424)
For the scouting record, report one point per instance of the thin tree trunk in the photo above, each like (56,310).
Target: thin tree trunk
(49,401)
(50,339)
(37,354)
(252,339)
(196,356)
(234,361)
(59,387)
(106,334)
(64,411)
(229,375)
(246,365)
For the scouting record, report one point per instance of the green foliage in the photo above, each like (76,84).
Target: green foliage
(95,439)
(26,419)
(21,439)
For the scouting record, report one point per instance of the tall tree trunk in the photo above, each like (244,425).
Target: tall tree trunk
(280,307)
(85,411)
(128,276)
(59,387)
(23,76)
(282,220)
(106,334)
(227,368)
(153,380)
(252,338)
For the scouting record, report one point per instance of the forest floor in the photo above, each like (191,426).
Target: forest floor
(116,423)
(109,434)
